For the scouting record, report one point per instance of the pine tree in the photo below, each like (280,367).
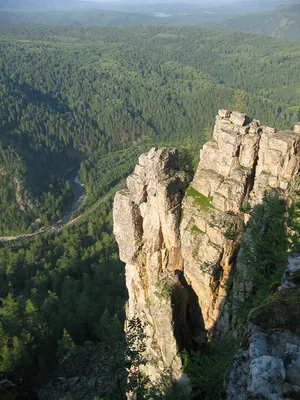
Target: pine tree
(239,101)
(66,347)
(134,356)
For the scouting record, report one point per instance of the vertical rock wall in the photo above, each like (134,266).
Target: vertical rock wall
(146,226)
(180,245)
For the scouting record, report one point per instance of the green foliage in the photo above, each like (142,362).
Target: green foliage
(100,173)
(207,368)
(231,233)
(274,286)
(71,93)
(138,383)
(245,207)
(199,199)
(58,291)
(208,132)
(66,347)
(280,311)
(266,252)
(196,231)
(166,290)
(189,155)
(239,101)
(98,97)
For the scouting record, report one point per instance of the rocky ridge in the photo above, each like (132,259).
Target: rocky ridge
(180,245)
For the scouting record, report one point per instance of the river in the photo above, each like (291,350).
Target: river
(79,194)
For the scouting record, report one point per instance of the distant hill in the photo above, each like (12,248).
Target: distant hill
(31,5)
(82,13)
(98,17)
(170,7)
(256,16)
(76,18)
(282,22)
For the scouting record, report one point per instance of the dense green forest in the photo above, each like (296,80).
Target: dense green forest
(57,292)
(95,98)
(67,92)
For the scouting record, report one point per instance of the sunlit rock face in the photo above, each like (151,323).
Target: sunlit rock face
(146,226)
(236,167)
(181,244)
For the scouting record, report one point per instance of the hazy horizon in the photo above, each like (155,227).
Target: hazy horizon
(141,6)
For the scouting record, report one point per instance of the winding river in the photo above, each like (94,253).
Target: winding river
(79,194)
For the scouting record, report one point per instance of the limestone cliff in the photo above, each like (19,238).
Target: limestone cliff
(181,244)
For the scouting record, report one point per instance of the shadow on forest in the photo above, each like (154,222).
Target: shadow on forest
(39,98)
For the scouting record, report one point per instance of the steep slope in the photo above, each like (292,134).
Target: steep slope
(181,252)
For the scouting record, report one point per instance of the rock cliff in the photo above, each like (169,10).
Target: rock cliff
(146,226)
(269,366)
(181,242)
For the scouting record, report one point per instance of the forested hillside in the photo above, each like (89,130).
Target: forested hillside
(78,18)
(83,13)
(282,22)
(56,292)
(94,98)
(68,91)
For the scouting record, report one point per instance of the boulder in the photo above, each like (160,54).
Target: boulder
(265,372)
(239,119)
(224,113)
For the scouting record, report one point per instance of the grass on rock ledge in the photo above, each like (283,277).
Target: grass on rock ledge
(199,199)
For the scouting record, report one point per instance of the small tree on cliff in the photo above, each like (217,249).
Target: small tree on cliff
(134,355)
(239,101)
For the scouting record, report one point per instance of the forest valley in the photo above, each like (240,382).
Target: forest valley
(95,98)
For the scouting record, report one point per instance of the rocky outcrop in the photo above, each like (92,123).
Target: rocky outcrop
(146,225)
(278,162)
(236,167)
(269,368)
(180,245)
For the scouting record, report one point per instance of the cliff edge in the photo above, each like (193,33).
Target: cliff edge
(181,241)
